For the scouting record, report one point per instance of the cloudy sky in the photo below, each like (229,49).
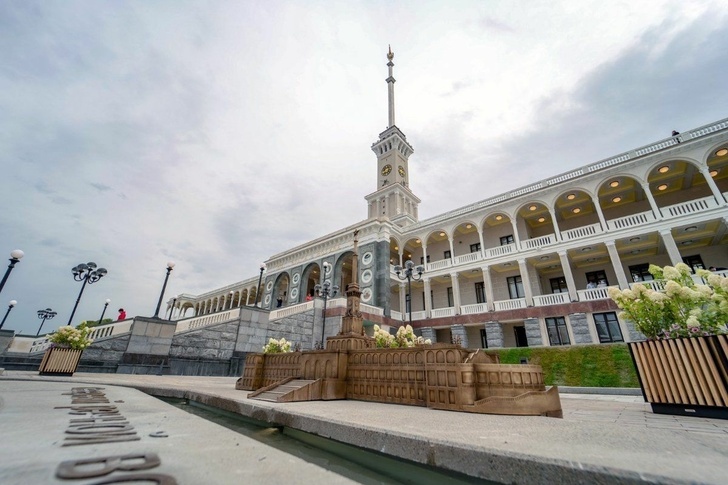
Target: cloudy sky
(216,134)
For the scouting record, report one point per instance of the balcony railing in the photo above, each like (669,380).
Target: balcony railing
(474,308)
(419,315)
(442,312)
(443,263)
(538,242)
(579,232)
(631,220)
(500,250)
(657,285)
(395,315)
(553,299)
(467,258)
(116,328)
(510,304)
(594,293)
(689,207)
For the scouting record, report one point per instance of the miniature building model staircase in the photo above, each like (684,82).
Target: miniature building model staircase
(289,390)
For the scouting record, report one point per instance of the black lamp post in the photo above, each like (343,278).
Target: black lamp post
(260,279)
(170,266)
(409,269)
(10,307)
(88,274)
(44,315)
(174,302)
(15,256)
(325,291)
(106,304)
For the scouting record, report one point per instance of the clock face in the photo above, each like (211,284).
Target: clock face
(386,169)
(401,171)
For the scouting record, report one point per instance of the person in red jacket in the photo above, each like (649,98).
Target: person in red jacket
(122,315)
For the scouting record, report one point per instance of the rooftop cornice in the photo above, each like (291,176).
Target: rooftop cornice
(621,159)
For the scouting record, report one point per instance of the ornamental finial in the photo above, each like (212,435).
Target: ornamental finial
(390,54)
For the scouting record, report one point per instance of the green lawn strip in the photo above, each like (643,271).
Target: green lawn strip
(579,365)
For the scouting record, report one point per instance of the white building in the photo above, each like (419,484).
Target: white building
(527,267)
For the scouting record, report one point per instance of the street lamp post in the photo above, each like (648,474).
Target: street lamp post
(44,315)
(106,304)
(15,256)
(260,279)
(325,291)
(170,266)
(174,302)
(10,307)
(409,269)
(88,274)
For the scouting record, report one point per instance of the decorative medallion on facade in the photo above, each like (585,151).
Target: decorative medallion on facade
(294,293)
(269,286)
(366,260)
(267,300)
(296,278)
(366,276)
(328,269)
(366,295)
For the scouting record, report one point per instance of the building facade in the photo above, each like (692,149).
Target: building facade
(528,267)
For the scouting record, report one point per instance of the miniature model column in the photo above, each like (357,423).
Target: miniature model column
(568,275)
(617,265)
(670,246)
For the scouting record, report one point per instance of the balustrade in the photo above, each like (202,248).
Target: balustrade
(594,293)
(474,308)
(538,242)
(110,329)
(631,220)
(689,207)
(514,304)
(467,258)
(443,263)
(207,320)
(553,299)
(419,315)
(500,250)
(579,232)
(442,312)
(395,315)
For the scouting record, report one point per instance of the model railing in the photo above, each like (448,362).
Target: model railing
(207,320)
(514,304)
(553,299)
(579,232)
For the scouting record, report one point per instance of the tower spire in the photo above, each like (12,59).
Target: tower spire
(390,83)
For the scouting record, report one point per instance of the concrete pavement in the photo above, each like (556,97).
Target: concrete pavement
(602,438)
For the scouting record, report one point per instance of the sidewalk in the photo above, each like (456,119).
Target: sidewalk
(601,439)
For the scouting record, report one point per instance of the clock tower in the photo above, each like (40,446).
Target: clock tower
(393,197)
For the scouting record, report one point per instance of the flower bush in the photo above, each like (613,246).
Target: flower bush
(405,337)
(682,309)
(277,346)
(68,336)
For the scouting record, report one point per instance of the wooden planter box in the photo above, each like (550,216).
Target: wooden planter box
(58,361)
(685,376)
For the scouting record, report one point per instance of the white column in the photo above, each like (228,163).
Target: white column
(713,188)
(452,249)
(653,204)
(598,208)
(488,286)
(516,239)
(557,232)
(455,291)
(568,276)
(526,280)
(428,300)
(617,265)
(424,256)
(401,252)
(403,300)
(671,247)
(482,243)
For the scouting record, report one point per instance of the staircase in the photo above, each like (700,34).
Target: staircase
(289,390)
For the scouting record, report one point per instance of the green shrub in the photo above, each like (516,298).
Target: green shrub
(606,365)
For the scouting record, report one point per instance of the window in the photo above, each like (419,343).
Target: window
(558,285)
(449,297)
(506,240)
(447,254)
(474,248)
(483,339)
(608,327)
(480,292)
(515,287)
(596,279)
(695,262)
(640,273)
(422,259)
(558,333)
